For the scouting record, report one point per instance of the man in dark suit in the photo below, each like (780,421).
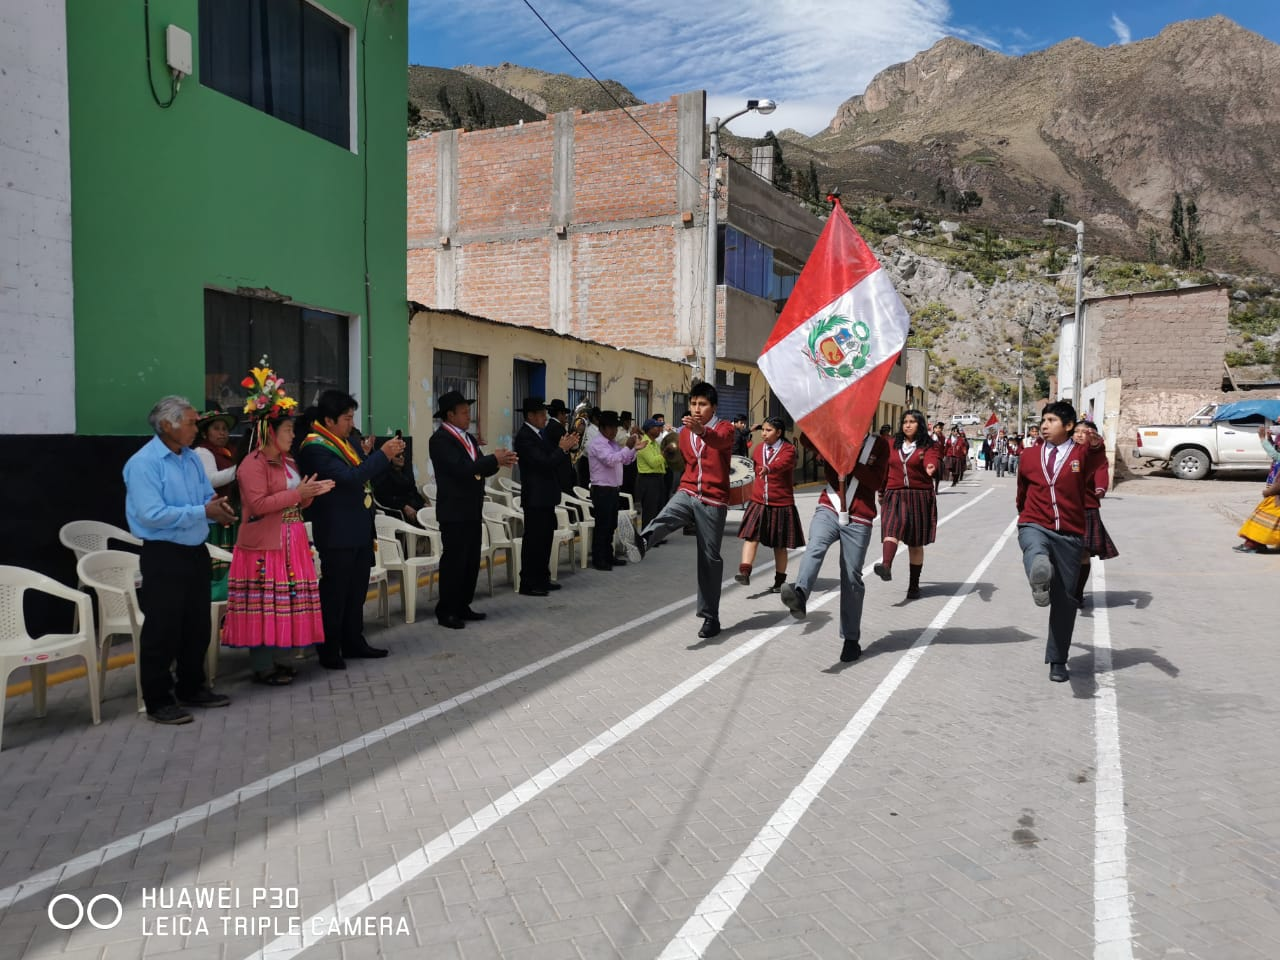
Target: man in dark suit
(540,466)
(460,470)
(342,522)
(557,427)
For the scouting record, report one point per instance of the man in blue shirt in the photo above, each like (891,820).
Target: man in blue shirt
(169,504)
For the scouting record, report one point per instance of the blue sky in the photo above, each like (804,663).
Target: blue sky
(809,55)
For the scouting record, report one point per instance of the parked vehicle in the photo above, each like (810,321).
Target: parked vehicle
(965,420)
(1194,449)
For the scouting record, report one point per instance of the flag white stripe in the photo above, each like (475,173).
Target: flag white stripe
(788,363)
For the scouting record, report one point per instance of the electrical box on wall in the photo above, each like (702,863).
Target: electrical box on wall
(177,50)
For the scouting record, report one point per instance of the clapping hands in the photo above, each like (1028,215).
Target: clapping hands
(311,487)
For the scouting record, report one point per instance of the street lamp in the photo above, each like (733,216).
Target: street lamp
(1020,351)
(713,125)
(1078,380)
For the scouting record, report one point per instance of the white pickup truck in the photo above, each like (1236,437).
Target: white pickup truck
(1194,449)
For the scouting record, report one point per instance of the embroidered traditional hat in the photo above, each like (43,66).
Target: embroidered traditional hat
(210,417)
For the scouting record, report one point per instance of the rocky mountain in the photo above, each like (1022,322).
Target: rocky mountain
(1112,133)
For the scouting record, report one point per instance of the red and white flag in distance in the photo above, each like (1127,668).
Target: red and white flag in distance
(836,341)
(992,420)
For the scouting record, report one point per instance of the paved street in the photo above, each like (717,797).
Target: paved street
(580,777)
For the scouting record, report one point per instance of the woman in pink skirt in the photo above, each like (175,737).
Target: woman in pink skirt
(771,517)
(273,598)
(910,510)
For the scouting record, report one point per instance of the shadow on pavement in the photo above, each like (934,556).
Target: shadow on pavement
(1084,683)
(900,640)
(1139,599)
(984,589)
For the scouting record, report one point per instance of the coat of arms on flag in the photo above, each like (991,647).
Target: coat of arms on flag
(838,346)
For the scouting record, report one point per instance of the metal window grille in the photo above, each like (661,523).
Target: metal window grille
(458,371)
(584,385)
(642,400)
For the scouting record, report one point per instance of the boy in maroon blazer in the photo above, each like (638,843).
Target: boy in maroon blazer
(1053,477)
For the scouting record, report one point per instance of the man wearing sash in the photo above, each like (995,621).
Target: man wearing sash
(1053,478)
(460,470)
(342,522)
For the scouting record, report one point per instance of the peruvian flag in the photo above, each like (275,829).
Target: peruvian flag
(835,343)
(992,420)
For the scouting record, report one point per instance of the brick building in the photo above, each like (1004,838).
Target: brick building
(1151,357)
(594,225)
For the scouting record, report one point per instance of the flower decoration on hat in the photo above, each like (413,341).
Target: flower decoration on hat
(267,398)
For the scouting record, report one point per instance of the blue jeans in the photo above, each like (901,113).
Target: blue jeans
(824,530)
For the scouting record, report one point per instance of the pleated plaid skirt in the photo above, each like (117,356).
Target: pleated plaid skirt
(772,526)
(1096,539)
(910,516)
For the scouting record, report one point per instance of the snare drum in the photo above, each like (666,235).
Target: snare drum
(742,474)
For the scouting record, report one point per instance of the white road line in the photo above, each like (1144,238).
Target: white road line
(1112,928)
(419,861)
(709,918)
(50,878)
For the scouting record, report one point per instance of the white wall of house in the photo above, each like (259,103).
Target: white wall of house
(37,358)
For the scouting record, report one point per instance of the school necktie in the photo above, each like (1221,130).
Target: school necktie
(1053,458)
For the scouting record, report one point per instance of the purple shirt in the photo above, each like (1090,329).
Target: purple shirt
(606,460)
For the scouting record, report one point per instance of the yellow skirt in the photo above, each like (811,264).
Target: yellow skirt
(1264,526)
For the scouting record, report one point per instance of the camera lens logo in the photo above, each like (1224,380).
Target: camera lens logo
(98,911)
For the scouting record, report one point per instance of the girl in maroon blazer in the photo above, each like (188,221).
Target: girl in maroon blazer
(910,505)
(273,597)
(771,517)
(1097,542)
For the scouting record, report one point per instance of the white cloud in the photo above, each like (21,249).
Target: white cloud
(1122,32)
(809,55)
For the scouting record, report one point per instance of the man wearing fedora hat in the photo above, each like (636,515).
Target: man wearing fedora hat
(540,464)
(460,470)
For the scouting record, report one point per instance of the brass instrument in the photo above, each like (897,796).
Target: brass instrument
(671,452)
(578,424)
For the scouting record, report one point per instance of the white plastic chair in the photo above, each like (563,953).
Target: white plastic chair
(563,537)
(19,649)
(412,537)
(429,491)
(501,538)
(409,568)
(509,485)
(217,610)
(90,536)
(378,582)
(496,494)
(585,524)
(113,577)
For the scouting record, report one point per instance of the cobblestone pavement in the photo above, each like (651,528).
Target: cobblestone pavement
(579,776)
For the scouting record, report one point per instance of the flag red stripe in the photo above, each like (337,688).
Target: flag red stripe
(840,260)
(834,426)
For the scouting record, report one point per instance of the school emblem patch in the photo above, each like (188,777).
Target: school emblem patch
(839,347)
(1075,466)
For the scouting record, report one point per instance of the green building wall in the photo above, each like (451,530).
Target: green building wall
(214,193)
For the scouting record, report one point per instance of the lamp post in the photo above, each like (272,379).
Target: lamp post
(714,125)
(1020,352)
(1077,386)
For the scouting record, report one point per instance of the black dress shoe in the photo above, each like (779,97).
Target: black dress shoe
(470,614)
(553,586)
(204,698)
(1058,673)
(850,653)
(331,661)
(533,592)
(450,623)
(710,628)
(365,653)
(601,567)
